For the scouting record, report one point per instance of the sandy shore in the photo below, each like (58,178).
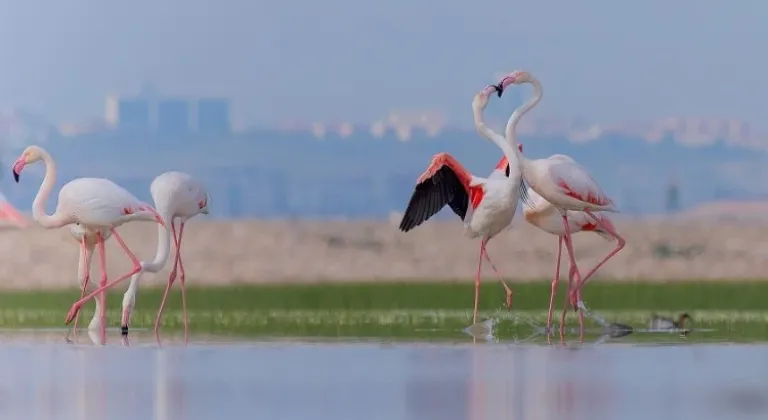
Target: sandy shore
(266,252)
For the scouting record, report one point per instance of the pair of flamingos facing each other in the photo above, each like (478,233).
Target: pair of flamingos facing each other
(95,207)
(561,197)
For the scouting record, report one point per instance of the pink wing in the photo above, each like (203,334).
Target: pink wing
(574,181)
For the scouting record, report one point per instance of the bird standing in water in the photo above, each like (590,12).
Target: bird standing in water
(177,196)
(562,182)
(486,206)
(542,214)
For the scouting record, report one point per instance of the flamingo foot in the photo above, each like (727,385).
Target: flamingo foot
(72,313)
(509,300)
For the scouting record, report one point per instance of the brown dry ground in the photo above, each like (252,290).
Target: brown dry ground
(286,251)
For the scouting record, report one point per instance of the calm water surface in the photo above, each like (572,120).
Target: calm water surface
(45,378)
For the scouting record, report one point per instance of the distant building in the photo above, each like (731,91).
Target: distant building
(672,201)
(173,116)
(128,113)
(213,116)
(168,115)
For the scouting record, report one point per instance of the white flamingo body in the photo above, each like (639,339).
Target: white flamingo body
(542,214)
(496,211)
(94,203)
(560,180)
(177,195)
(98,203)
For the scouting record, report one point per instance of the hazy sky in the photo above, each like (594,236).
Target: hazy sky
(605,60)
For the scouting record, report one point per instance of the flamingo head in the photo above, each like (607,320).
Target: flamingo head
(515,78)
(30,155)
(481,99)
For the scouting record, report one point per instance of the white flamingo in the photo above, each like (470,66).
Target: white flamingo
(95,203)
(562,182)
(177,196)
(542,214)
(486,206)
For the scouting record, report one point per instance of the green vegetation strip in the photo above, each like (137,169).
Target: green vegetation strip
(690,295)
(416,324)
(739,311)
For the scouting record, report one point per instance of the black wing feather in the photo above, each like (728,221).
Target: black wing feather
(431,195)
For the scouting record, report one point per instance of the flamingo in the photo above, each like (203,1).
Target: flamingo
(96,204)
(176,195)
(542,214)
(563,183)
(486,206)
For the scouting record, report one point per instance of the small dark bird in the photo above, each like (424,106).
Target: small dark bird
(664,323)
(616,330)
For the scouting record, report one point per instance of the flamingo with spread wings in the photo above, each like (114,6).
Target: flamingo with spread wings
(486,206)
(563,183)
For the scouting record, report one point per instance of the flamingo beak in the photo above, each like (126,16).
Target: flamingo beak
(499,89)
(17,168)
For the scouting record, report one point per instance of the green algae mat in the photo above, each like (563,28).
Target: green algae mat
(733,311)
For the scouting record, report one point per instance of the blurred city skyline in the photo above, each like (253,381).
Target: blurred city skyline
(341,60)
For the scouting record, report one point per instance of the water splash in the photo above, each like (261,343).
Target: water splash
(484,330)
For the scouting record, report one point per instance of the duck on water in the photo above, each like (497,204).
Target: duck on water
(663,323)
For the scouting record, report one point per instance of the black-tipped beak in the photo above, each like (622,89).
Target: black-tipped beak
(499,89)
(15,175)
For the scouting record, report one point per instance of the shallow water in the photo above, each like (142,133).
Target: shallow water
(45,378)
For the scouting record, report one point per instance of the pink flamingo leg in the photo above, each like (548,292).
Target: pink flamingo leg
(102,296)
(136,267)
(501,279)
(575,268)
(571,274)
(620,242)
(177,263)
(183,278)
(84,251)
(477,280)
(554,283)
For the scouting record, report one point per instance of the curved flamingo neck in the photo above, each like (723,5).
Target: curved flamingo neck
(38,205)
(509,132)
(163,247)
(509,152)
(157,264)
